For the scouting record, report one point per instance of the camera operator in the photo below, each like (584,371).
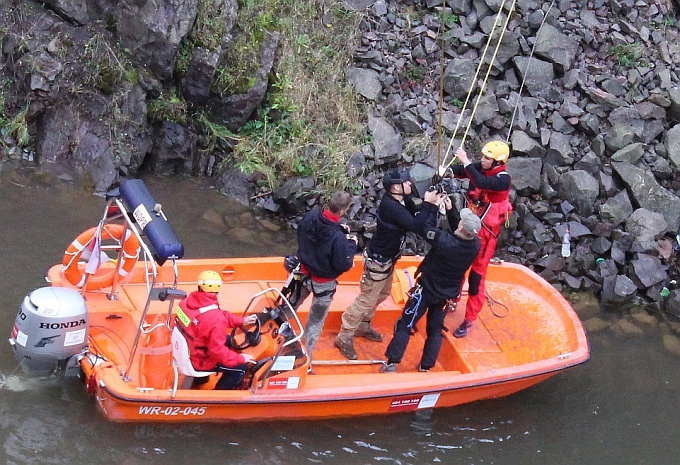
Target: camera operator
(397,214)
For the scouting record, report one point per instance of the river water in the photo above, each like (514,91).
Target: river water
(619,408)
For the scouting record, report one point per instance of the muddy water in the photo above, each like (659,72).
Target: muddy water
(619,408)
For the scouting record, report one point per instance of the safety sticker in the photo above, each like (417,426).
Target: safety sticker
(142,216)
(414,402)
(284,383)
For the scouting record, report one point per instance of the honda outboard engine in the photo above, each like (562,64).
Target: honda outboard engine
(51,327)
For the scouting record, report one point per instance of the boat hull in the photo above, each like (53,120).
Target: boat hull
(117,407)
(539,337)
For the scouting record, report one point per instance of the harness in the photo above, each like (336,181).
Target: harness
(492,207)
(415,298)
(292,288)
(372,259)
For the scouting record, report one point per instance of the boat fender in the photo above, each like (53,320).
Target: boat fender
(155,355)
(151,220)
(103,277)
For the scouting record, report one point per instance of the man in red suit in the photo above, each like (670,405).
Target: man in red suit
(488,197)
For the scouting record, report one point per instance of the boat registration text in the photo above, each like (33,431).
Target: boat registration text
(171,411)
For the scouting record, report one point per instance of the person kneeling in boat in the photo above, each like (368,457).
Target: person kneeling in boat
(440,278)
(204,325)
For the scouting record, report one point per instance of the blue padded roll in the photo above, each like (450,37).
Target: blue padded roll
(162,239)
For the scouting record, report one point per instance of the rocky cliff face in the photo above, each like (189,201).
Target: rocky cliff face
(91,82)
(586,92)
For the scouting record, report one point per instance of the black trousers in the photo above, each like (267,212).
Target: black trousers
(232,377)
(402,332)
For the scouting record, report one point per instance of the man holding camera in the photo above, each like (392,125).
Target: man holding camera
(397,214)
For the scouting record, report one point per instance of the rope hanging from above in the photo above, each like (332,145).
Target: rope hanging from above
(526,71)
(443,168)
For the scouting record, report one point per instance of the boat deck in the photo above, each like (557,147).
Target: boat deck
(495,341)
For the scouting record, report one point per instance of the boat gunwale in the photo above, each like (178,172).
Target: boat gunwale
(247,397)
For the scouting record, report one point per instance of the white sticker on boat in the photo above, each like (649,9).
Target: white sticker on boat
(428,400)
(73,338)
(284,363)
(284,383)
(142,216)
(21,338)
(413,402)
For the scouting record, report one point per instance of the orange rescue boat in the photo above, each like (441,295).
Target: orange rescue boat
(118,334)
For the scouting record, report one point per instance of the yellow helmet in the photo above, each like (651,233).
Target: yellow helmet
(209,281)
(496,150)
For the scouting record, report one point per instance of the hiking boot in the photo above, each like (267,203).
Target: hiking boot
(346,345)
(366,331)
(388,368)
(462,329)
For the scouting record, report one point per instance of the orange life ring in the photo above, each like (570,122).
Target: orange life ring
(103,277)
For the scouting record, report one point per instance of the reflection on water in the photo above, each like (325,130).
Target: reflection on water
(619,408)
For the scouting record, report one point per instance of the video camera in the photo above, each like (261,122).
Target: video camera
(446,184)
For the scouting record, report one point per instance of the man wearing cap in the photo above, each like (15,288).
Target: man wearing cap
(396,216)
(488,197)
(440,278)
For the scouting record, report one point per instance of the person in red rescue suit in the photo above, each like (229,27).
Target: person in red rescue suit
(205,325)
(488,197)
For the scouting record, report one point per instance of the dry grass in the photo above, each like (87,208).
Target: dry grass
(312,120)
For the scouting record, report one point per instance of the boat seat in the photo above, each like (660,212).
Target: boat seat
(182,362)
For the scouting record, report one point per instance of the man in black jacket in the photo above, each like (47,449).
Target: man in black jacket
(397,214)
(440,279)
(326,250)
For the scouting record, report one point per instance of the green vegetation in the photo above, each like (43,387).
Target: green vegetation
(449,20)
(106,67)
(13,128)
(168,107)
(416,73)
(256,19)
(668,19)
(184,55)
(208,32)
(217,135)
(627,55)
(209,27)
(311,121)
(456,102)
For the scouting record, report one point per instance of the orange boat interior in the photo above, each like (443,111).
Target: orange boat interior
(520,326)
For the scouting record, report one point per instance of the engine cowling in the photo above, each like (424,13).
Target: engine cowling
(51,326)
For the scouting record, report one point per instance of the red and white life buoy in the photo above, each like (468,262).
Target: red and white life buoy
(104,276)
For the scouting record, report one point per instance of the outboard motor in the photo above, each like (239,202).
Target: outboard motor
(51,326)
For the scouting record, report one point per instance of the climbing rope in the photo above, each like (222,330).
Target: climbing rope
(484,82)
(490,301)
(526,71)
